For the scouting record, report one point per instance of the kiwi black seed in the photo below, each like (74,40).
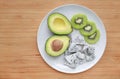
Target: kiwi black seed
(88,29)
(78,21)
(92,39)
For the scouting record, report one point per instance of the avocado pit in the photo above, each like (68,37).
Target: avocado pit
(57,45)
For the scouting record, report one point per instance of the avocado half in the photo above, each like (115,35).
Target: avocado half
(57,45)
(92,39)
(88,29)
(78,21)
(59,24)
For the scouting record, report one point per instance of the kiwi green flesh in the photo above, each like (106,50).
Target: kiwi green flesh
(79,20)
(94,38)
(87,28)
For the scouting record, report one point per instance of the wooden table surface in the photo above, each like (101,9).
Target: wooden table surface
(19,55)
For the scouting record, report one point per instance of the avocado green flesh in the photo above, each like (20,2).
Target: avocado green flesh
(77,23)
(89,29)
(92,39)
(59,24)
(50,51)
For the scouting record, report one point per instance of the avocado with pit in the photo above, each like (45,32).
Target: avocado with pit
(57,45)
(88,29)
(78,21)
(59,24)
(92,39)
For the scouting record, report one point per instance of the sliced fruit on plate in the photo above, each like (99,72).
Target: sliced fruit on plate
(59,24)
(92,39)
(57,45)
(78,21)
(88,29)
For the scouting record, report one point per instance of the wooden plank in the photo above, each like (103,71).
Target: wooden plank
(19,55)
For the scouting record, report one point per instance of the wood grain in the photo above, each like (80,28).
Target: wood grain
(19,55)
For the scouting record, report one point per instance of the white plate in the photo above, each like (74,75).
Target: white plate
(58,62)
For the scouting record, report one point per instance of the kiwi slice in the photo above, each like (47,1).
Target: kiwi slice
(92,39)
(78,21)
(88,29)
